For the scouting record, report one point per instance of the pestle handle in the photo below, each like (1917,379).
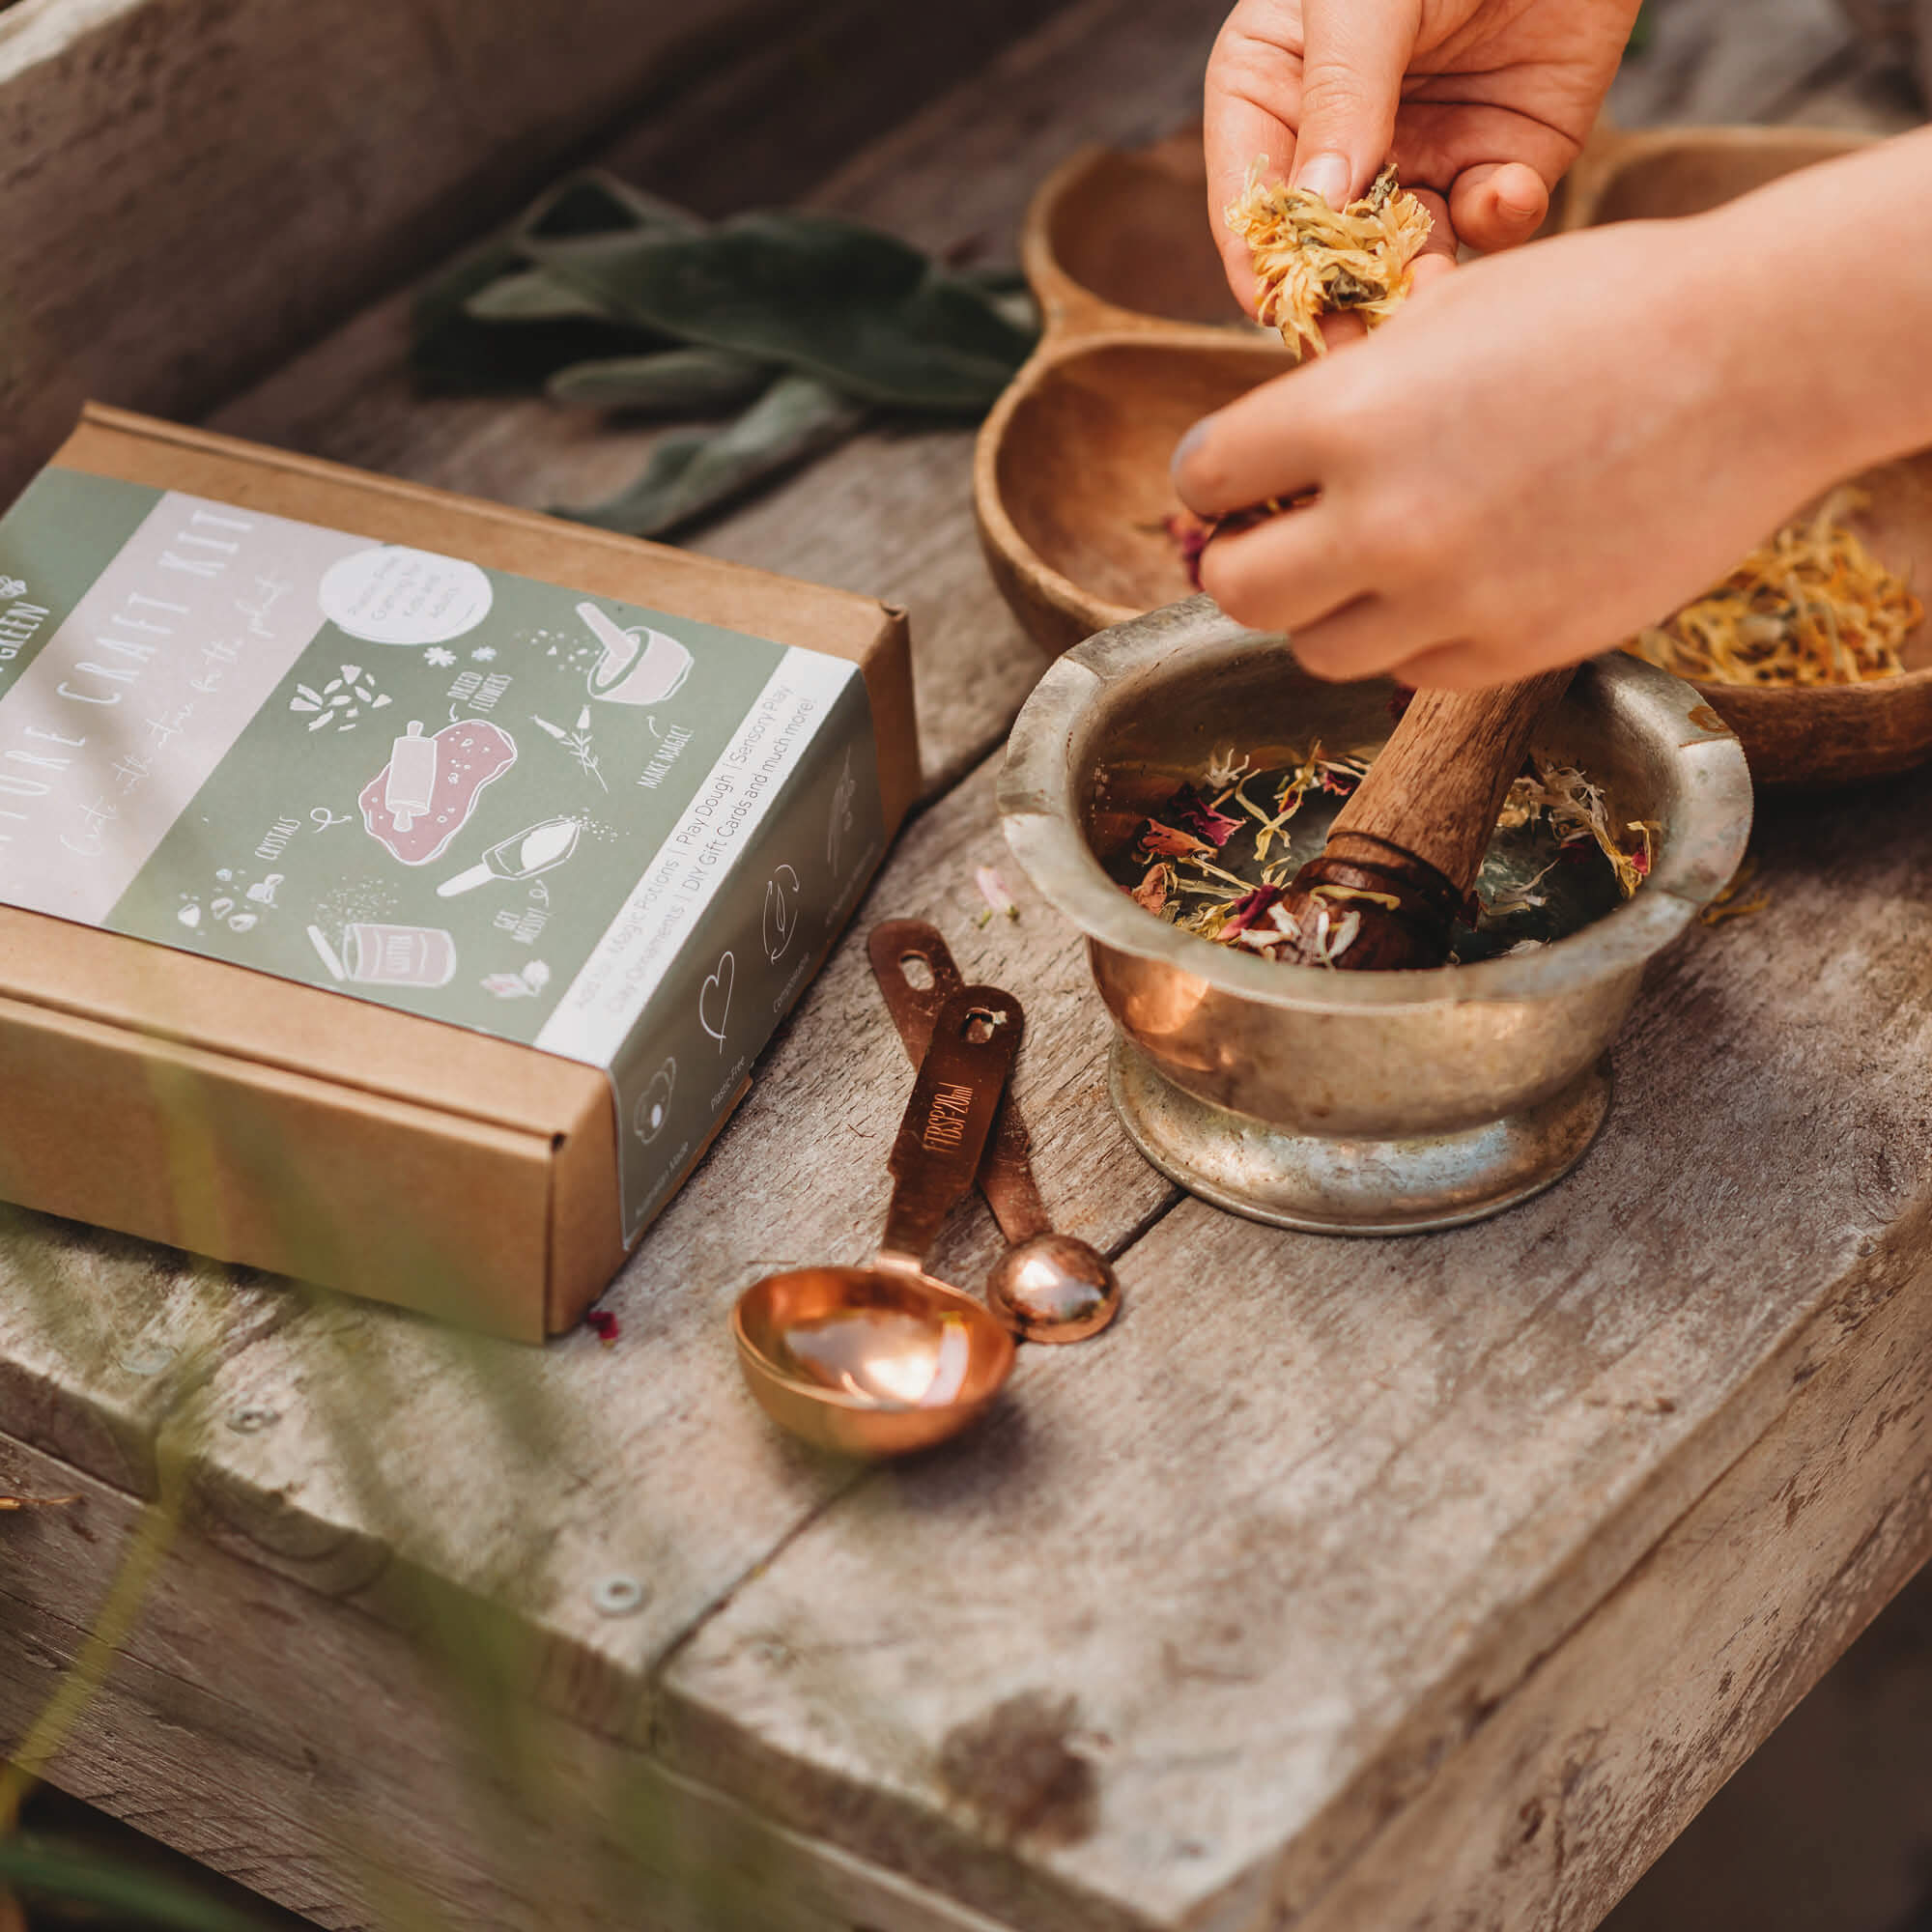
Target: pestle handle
(1435,787)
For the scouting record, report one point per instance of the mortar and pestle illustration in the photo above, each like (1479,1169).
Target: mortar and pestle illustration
(638,666)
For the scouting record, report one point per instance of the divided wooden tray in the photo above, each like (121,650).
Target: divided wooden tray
(1141,338)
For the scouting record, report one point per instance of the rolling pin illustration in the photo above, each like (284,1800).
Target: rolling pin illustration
(411,787)
(423,797)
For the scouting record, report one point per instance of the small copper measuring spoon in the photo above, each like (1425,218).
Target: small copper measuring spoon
(1046,1286)
(879,1360)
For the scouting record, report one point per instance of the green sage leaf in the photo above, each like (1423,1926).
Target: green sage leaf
(531,295)
(500,320)
(696,471)
(687,380)
(452,352)
(857,308)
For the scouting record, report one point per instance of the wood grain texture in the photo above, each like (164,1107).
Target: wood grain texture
(102,1336)
(1611,1744)
(890,513)
(364,1777)
(194,188)
(1313,1508)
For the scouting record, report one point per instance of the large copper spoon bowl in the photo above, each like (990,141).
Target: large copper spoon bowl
(882,1360)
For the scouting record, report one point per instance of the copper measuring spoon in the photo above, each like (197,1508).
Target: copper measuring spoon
(1046,1286)
(879,1360)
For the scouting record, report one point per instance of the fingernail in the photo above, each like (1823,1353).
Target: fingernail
(1329,175)
(1189,443)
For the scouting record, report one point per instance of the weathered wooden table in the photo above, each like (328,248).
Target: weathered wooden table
(1363,1585)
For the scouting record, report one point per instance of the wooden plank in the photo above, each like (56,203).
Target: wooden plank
(1605,1750)
(362,1778)
(192,190)
(1802,60)
(1287,1536)
(1822,1824)
(103,1337)
(889,515)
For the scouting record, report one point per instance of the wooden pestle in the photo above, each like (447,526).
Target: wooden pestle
(1406,849)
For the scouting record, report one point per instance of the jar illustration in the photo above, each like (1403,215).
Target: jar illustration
(374,954)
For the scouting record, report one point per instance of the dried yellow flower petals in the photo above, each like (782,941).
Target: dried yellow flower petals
(1578,810)
(1311,260)
(1812,606)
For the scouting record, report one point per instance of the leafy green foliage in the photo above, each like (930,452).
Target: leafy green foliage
(32,1866)
(795,418)
(672,382)
(828,297)
(605,297)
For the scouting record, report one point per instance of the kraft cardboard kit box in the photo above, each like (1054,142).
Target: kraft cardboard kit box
(395,889)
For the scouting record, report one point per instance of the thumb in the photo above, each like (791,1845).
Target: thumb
(1355,54)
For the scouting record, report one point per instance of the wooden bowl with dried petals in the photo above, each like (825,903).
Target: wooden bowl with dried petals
(1141,339)
(1814,734)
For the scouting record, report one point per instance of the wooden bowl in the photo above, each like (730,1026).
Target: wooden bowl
(1141,337)
(1820,734)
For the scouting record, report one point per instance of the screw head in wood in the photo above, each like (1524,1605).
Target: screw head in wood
(619,1596)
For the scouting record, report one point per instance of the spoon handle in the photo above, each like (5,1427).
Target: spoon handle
(1005,1171)
(948,1118)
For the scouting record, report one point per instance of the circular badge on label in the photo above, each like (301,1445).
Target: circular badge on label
(394,595)
(653,1106)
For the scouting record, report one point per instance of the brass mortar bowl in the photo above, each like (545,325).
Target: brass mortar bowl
(1349,1102)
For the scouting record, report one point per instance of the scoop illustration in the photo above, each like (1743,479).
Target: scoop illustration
(522,856)
(641,667)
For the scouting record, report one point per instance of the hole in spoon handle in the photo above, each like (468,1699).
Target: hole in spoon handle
(893,945)
(1005,1168)
(950,1115)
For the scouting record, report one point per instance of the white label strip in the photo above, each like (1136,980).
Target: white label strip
(112,729)
(608,997)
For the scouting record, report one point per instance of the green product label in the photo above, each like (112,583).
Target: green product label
(607,832)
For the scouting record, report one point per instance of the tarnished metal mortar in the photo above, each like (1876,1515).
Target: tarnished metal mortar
(1349,1102)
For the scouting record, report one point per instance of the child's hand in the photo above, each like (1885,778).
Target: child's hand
(1495,98)
(1542,452)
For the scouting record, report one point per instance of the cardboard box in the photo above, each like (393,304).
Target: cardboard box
(315,1129)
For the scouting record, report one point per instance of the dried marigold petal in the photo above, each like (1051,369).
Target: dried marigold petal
(1170,843)
(1811,606)
(1311,260)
